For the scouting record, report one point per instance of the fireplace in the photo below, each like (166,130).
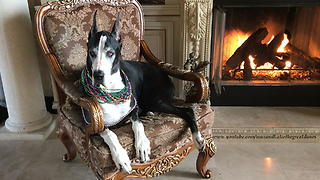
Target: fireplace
(266,44)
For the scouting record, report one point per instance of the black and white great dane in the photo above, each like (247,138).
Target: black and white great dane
(144,88)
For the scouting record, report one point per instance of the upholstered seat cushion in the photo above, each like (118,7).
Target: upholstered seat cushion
(167,133)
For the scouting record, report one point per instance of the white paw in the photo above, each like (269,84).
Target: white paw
(198,141)
(149,113)
(122,161)
(142,145)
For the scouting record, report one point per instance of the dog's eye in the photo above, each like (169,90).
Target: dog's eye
(110,53)
(92,53)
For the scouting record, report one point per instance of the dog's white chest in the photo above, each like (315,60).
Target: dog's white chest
(113,113)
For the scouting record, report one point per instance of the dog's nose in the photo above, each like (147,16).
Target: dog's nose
(98,75)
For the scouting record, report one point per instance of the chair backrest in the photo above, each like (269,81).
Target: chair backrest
(63,29)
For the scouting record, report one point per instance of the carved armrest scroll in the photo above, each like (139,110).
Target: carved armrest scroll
(72,91)
(88,103)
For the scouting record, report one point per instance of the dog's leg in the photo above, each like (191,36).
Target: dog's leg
(198,140)
(188,115)
(119,155)
(142,143)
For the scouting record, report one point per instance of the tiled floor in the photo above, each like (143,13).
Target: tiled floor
(41,160)
(268,117)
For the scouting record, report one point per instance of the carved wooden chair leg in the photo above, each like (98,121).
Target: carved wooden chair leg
(204,157)
(71,150)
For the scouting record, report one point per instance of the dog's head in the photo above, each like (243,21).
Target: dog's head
(103,54)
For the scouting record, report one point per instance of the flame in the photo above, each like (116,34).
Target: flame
(242,65)
(252,64)
(270,39)
(283,43)
(267,65)
(288,65)
(241,41)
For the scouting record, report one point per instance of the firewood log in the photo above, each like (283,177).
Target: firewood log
(247,48)
(301,58)
(268,53)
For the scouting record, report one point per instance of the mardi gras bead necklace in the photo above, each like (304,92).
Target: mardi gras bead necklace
(101,94)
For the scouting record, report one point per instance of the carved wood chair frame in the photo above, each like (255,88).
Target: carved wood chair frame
(64,88)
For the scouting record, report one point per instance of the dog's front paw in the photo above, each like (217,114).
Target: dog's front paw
(150,113)
(143,149)
(122,161)
(198,141)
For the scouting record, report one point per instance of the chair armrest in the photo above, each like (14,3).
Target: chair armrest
(72,91)
(201,84)
(88,103)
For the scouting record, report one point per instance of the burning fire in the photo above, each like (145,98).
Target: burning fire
(283,43)
(252,64)
(271,39)
(266,65)
(241,41)
(288,65)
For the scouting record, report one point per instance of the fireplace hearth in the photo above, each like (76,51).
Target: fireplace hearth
(266,44)
(287,96)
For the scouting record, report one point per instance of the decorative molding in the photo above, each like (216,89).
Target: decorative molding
(267,134)
(156,40)
(170,2)
(270,131)
(161,10)
(197,23)
(162,165)
(168,27)
(197,28)
(197,16)
(154,2)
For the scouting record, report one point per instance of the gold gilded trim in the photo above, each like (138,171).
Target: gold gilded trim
(162,165)
(212,148)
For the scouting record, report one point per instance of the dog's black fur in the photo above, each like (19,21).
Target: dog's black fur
(152,88)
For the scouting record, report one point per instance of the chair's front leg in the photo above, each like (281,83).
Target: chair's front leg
(204,157)
(67,142)
(118,153)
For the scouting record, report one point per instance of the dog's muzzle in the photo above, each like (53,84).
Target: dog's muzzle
(98,77)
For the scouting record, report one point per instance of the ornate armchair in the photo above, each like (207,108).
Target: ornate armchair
(62,30)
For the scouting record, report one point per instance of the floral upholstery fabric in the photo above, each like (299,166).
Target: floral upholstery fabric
(67,33)
(166,132)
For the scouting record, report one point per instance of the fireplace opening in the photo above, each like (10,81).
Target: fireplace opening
(271,47)
(272,44)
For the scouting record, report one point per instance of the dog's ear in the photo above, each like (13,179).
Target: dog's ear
(116,29)
(94,28)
